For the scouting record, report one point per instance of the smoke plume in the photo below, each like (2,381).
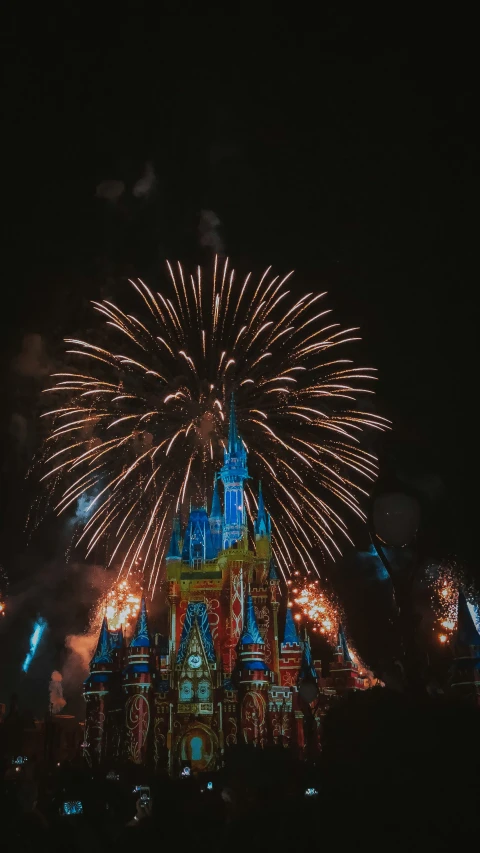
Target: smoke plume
(76,667)
(33,360)
(146,184)
(57,702)
(209,233)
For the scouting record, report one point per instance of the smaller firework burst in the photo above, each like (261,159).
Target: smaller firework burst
(2,608)
(445,585)
(316,606)
(121,605)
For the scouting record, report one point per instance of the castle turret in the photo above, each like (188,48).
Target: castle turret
(137,683)
(215,519)
(290,652)
(96,689)
(254,679)
(233,475)
(465,677)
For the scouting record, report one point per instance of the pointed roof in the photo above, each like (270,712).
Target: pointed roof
(307,669)
(467,634)
(234,440)
(343,645)
(250,633)
(261,521)
(290,636)
(216,510)
(141,637)
(272,571)
(196,614)
(103,653)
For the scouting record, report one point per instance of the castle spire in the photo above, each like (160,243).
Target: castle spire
(233,474)
(343,645)
(250,633)
(103,652)
(307,669)
(141,637)
(234,440)
(261,521)
(290,636)
(216,510)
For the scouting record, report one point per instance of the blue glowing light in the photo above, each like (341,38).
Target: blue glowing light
(37,634)
(475,614)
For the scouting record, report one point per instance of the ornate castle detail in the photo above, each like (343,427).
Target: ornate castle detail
(222,676)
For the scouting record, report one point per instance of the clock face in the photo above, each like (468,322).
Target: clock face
(194,661)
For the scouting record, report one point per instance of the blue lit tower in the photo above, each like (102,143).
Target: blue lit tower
(215,519)
(233,475)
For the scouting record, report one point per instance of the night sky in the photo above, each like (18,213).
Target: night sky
(343,149)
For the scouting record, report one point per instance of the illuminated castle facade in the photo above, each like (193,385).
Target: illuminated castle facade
(228,672)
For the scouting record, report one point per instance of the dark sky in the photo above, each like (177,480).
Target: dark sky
(342,148)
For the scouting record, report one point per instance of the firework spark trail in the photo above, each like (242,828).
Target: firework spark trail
(142,430)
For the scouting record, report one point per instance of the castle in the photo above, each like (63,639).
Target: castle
(228,672)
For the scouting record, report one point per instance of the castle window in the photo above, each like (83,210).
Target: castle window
(186,691)
(196,564)
(203,691)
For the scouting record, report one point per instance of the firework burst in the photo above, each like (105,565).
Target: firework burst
(316,606)
(446,581)
(445,602)
(139,426)
(121,605)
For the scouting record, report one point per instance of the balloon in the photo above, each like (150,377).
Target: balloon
(396,518)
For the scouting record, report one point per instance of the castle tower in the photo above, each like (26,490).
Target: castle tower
(465,677)
(290,652)
(233,474)
(137,683)
(215,519)
(198,546)
(254,680)
(95,691)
